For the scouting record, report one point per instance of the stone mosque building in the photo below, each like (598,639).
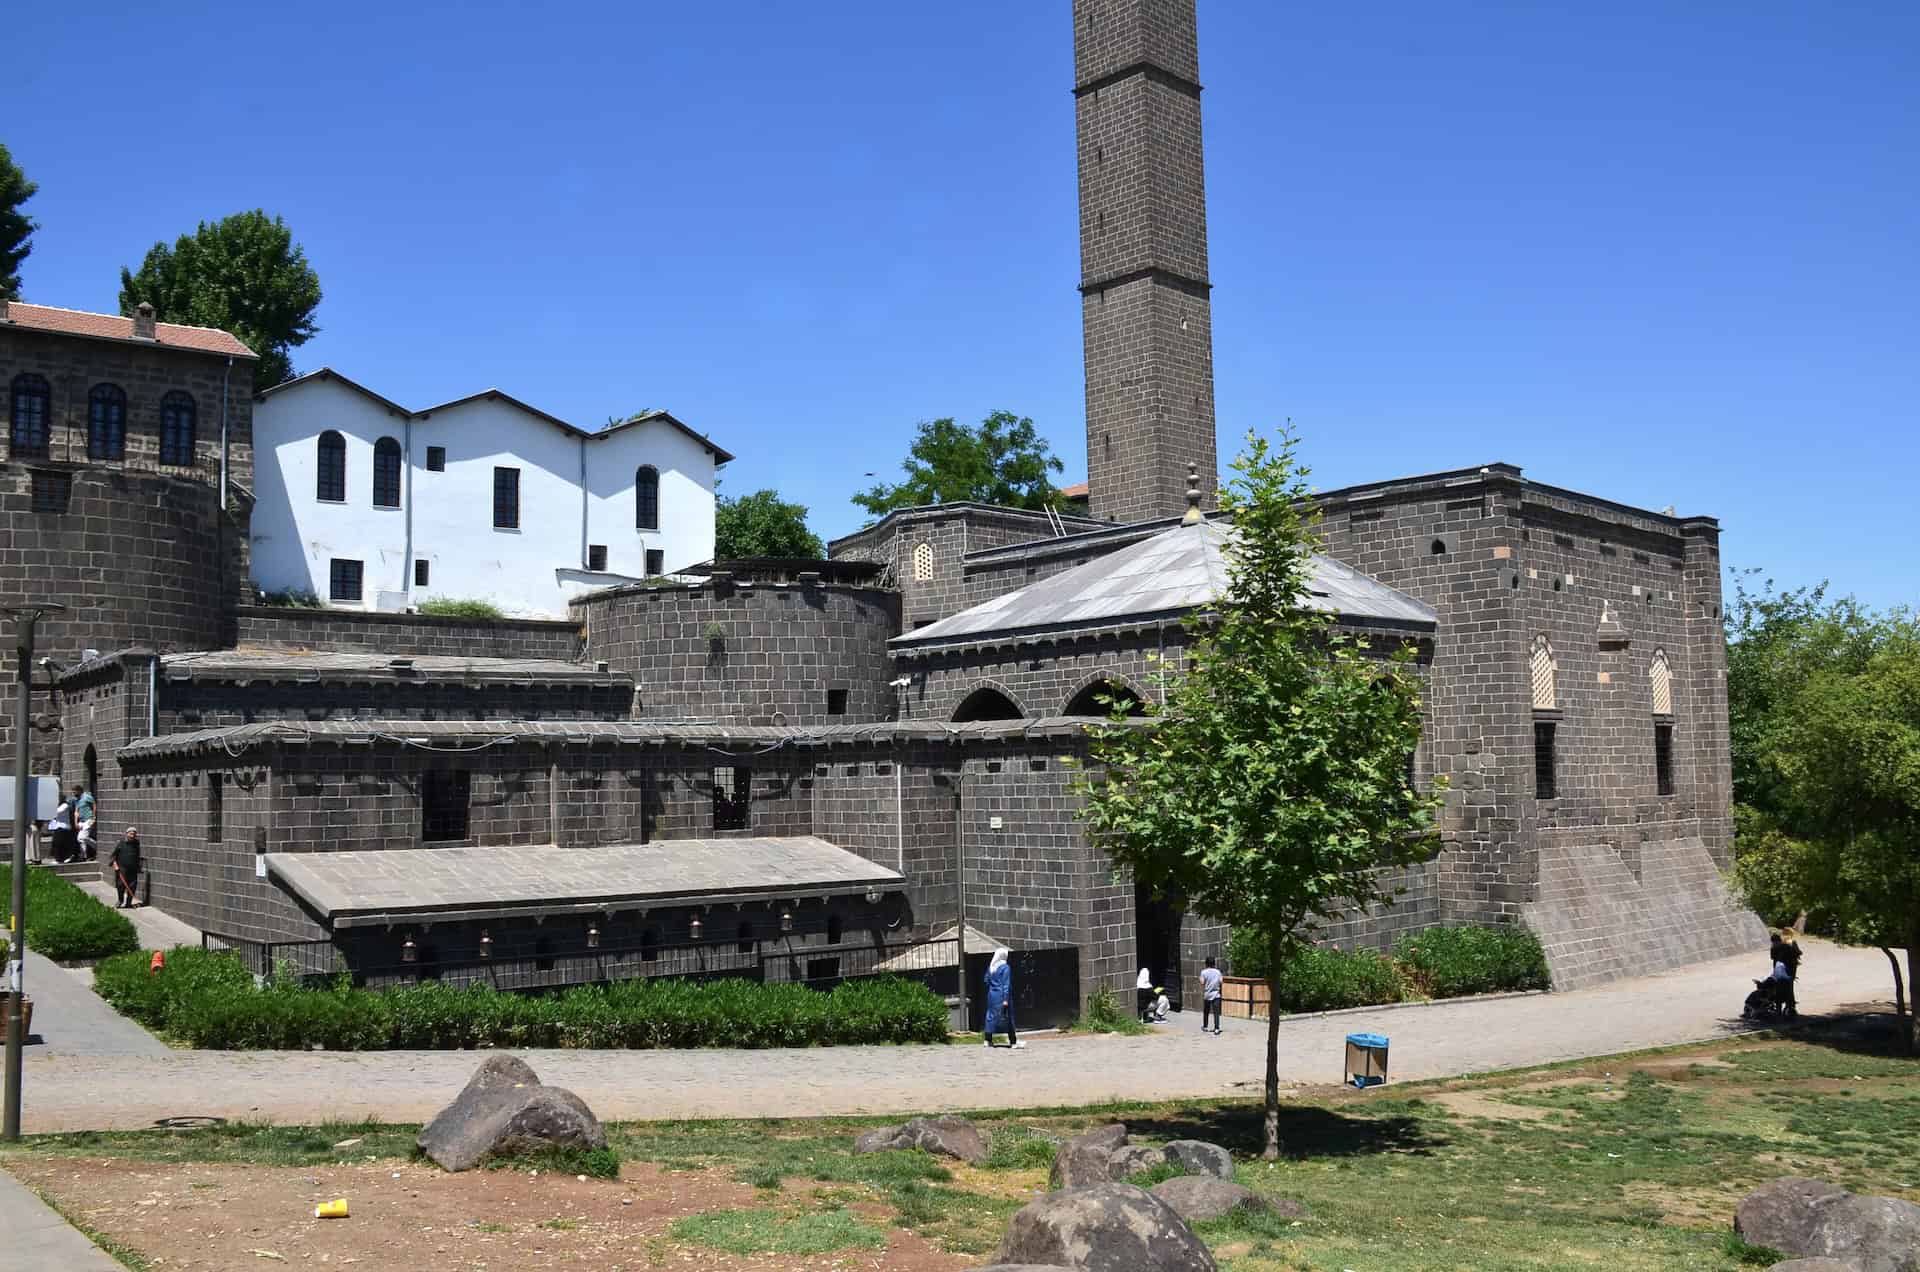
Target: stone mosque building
(816,769)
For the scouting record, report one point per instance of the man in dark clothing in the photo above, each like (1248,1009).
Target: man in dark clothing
(1786,952)
(126,869)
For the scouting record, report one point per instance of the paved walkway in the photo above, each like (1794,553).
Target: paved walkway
(69,1019)
(38,1240)
(1439,1040)
(158,930)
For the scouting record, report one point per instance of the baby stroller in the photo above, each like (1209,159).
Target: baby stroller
(1767,1001)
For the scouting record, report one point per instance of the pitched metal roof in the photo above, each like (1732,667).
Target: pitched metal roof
(1172,573)
(357,889)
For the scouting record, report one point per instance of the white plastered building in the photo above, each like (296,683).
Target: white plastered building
(370,505)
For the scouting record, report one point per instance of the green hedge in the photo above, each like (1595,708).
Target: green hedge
(64,923)
(1436,963)
(209,1000)
(1451,962)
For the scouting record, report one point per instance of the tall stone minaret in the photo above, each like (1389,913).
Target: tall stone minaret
(1146,316)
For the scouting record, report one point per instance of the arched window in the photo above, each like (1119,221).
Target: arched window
(32,416)
(107,422)
(178,420)
(1087,701)
(1543,669)
(386,473)
(330,482)
(922,562)
(1661,677)
(986,704)
(646,498)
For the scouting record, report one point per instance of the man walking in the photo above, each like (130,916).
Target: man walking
(126,869)
(1210,981)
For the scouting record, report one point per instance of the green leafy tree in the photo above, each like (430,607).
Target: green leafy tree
(1842,756)
(763,525)
(244,274)
(1270,791)
(16,227)
(1003,461)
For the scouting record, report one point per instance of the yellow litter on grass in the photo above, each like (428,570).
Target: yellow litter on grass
(335,1209)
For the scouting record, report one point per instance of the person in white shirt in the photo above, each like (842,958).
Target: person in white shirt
(1143,995)
(1210,979)
(65,846)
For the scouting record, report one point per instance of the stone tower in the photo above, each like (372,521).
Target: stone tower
(1146,316)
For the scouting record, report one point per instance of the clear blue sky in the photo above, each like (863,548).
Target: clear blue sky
(1666,253)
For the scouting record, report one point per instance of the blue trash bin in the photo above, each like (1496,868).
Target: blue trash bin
(1366,1059)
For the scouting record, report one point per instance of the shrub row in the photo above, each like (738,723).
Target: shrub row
(1436,963)
(209,1000)
(64,923)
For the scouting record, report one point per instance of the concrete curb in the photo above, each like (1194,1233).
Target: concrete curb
(1423,1002)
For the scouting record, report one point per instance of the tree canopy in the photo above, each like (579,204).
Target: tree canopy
(244,274)
(16,227)
(1824,705)
(763,525)
(1271,789)
(1003,461)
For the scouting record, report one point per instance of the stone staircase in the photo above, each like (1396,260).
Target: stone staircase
(76,872)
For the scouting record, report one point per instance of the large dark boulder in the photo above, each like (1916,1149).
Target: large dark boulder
(953,1137)
(1200,1158)
(504,1110)
(1783,1214)
(1104,1228)
(1810,1219)
(1124,1163)
(1086,1158)
(1197,1198)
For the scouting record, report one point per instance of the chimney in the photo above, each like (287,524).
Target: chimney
(143,321)
(3,310)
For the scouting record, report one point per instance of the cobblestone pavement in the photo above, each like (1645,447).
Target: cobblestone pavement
(1438,1040)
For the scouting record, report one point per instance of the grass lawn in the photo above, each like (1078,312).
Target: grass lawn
(1624,1164)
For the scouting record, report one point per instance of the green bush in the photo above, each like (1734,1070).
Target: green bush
(209,1000)
(1450,962)
(292,598)
(459,607)
(1328,980)
(64,923)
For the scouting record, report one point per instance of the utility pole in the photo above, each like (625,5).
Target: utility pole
(24,617)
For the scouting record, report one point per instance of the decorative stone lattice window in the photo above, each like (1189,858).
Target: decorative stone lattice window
(1661,676)
(922,562)
(1542,666)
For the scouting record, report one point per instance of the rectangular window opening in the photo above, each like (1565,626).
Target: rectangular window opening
(420,572)
(1663,757)
(446,801)
(436,459)
(216,806)
(836,702)
(1545,784)
(656,562)
(52,492)
(732,797)
(344,580)
(506,499)
(597,557)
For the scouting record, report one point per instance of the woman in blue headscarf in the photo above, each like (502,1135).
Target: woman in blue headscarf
(1000,1000)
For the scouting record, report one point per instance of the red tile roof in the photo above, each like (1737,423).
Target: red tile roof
(1076,491)
(74,322)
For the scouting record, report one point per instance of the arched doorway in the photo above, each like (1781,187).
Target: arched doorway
(986,703)
(1087,701)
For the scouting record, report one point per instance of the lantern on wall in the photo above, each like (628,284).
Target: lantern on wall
(593,936)
(409,952)
(693,928)
(786,920)
(486,944)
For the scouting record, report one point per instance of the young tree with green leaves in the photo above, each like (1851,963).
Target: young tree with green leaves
(1004,461)
(763,525)
(244,274)
(16,227)
(1842,753)
(1270,790)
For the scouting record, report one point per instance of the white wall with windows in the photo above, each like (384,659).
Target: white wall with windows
(369,505)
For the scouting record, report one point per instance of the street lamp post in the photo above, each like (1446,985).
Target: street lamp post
(24,617)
